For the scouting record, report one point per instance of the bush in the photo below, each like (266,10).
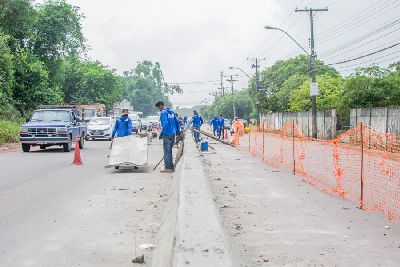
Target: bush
(9,131)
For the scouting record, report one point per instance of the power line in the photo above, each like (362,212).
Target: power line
(362,38)
(349,28)
(375,64)
(345,22)
(367,55)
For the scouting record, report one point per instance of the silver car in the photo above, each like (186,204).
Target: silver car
(100,128)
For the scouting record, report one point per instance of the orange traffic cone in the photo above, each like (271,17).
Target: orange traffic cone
(226,134)
(77,155)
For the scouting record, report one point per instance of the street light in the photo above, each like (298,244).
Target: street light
(237,68)
(313,74)
(285,32)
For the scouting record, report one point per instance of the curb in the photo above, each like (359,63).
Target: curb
(191,233)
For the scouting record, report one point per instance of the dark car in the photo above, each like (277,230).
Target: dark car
(53,127)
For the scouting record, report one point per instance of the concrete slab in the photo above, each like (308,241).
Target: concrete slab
(191,226)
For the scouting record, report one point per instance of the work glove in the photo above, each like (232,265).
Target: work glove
(161,136)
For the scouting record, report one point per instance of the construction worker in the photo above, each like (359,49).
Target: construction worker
(215,125)
(170,129)
(221,125)
(238,127)
(123,125)
(185,120)
(197,121)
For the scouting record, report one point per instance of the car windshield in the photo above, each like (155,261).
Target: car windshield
(100,121)
(51,115)
(89,113)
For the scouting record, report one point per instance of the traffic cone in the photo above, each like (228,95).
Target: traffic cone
(226,134)
(77,154)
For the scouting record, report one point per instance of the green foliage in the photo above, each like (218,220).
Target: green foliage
(88,82)
(224,105)
(9,131)
(17,19)
(145,86)
(330,92)
(31,83)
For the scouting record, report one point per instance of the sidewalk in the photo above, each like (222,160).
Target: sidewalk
(275,219)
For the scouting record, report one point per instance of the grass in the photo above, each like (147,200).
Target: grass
(9,131)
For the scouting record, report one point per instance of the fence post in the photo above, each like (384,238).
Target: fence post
(362,167)
(249,140)
(263,141)
(294,156)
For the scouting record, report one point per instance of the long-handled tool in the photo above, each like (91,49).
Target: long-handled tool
(158,164)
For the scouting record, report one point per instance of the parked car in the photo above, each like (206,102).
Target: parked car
(136,123)
(53,126)
(100,128)
(89,114)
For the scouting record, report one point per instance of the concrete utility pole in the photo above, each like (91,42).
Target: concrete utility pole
(256,65)
(222,88)
(232,81)
(311,12)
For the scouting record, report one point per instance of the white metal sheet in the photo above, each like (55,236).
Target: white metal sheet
(129,151)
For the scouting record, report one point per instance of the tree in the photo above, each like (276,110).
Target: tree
(6,78)
(279,77)
(224,105)
(17,20)
(31,83)
(58,34)
(145,85)
(88,82)
(330,92)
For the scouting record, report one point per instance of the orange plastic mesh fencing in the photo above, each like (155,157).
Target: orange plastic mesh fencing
(361,165)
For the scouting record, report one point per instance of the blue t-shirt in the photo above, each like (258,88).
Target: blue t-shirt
(169,123)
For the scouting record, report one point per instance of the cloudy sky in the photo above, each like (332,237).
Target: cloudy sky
(195,40)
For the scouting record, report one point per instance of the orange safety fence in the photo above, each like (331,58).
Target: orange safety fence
(361,165)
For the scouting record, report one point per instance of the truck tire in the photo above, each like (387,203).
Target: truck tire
(26,147)
(67,147)
(82,142)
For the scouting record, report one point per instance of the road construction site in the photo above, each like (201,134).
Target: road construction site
(220,208)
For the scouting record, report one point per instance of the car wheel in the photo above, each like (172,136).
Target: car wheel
(26,147)
(68,146)
(81,142)
(87,138)
(42,147)
(117,167)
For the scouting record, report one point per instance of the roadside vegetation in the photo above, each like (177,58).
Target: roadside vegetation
(43,61)
(285,88)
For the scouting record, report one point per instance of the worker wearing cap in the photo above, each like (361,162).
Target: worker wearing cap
(197,121)
(123,125)
(170,129)
(215,125)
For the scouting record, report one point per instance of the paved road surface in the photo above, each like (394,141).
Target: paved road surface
(56,214)
(275,219)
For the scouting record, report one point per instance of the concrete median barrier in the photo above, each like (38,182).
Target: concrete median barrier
(191,233)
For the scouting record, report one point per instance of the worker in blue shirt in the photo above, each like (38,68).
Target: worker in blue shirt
(185,120)
(170,129)
(215,125)
(197,121)
(221,124)
(123,125)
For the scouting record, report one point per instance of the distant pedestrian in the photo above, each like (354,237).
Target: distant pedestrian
(221,125)
(215,125)
(197,121)
(123,125)
(170,129)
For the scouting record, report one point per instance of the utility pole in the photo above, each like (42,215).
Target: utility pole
(311,12)
(232,81)
(256,65)
(222,88)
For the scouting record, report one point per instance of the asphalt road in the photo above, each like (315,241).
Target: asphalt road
(56,214)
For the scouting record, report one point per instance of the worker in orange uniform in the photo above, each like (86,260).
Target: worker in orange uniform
(238,127)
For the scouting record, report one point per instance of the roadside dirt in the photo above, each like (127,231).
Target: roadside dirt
(9,147)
